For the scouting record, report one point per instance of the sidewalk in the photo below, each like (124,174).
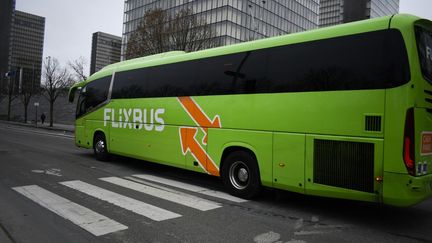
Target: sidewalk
(55,127)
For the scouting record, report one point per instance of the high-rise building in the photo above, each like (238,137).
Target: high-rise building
(233,20)
(26,48)
(334,12)
(7,8)
(105,50)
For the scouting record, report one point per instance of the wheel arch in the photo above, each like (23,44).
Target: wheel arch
(102,132)
(232,147)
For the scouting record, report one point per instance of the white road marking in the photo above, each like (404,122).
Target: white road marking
(314,219)
(296,241)
(180,198)
(298,224)
(268,237)
(170,182)
(223,195)
(55,172)
(38,171)
(141,208)
(189,187)
(312,232)
(150,184)
(85,218)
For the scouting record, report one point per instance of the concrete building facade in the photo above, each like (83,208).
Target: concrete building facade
(26,48)
(106,49)
(233,20)
(333,12)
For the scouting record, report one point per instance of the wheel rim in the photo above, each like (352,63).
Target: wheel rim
(100,146)
(239,175)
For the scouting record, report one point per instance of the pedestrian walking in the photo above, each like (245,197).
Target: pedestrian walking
(43,118)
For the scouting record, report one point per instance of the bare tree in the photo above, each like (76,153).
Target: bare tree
(151,35)
(56,82)
(159,32)
(2,87)
(27,91)
(27,87)
(78,67)
(10,92)
(190,33)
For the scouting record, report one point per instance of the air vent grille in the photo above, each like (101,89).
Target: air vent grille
(344,164)
(373,123)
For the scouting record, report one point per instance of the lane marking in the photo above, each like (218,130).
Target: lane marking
(189,187)
(141,181)
(53,171)
(180,198)
(141,208)
(312,232)
(85,218)
(268,237)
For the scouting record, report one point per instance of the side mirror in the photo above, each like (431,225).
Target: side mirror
(72,92)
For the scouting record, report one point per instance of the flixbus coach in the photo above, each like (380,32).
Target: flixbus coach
(342,112)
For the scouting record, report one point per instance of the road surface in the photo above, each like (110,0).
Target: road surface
(51,191)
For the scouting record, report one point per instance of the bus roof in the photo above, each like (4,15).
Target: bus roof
(310,35)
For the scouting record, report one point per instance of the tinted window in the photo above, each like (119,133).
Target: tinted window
(424,45)
(129,84)
(373,60)
(241,73)
(93,94)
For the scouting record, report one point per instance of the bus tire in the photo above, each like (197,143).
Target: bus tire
(240,174)
(100,147)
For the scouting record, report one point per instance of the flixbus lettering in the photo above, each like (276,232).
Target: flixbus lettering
(135,118)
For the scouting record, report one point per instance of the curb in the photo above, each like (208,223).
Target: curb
(54,128)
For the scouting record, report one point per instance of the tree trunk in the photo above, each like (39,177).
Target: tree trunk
(25,112)
(51,113)
(9,107)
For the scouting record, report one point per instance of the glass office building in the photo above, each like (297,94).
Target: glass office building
(334,12)
(105,50)
(7,8)
(233,20)
(26,47)
(378,8)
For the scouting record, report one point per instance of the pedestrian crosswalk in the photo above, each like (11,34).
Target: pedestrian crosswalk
(190,187)
(180,198)
(87,219)
(150,185)
(138,207)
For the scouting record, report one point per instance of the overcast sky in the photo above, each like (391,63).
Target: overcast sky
(69,25)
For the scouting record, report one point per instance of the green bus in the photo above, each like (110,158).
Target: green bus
(343,112)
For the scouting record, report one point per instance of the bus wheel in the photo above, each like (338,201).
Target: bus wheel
(240,174)
(100,147)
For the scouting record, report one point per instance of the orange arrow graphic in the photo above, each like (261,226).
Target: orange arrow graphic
(198,115)
(189,143)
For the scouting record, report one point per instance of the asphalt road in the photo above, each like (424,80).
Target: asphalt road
(51,191)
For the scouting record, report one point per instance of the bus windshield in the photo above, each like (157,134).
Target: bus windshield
(424,44)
